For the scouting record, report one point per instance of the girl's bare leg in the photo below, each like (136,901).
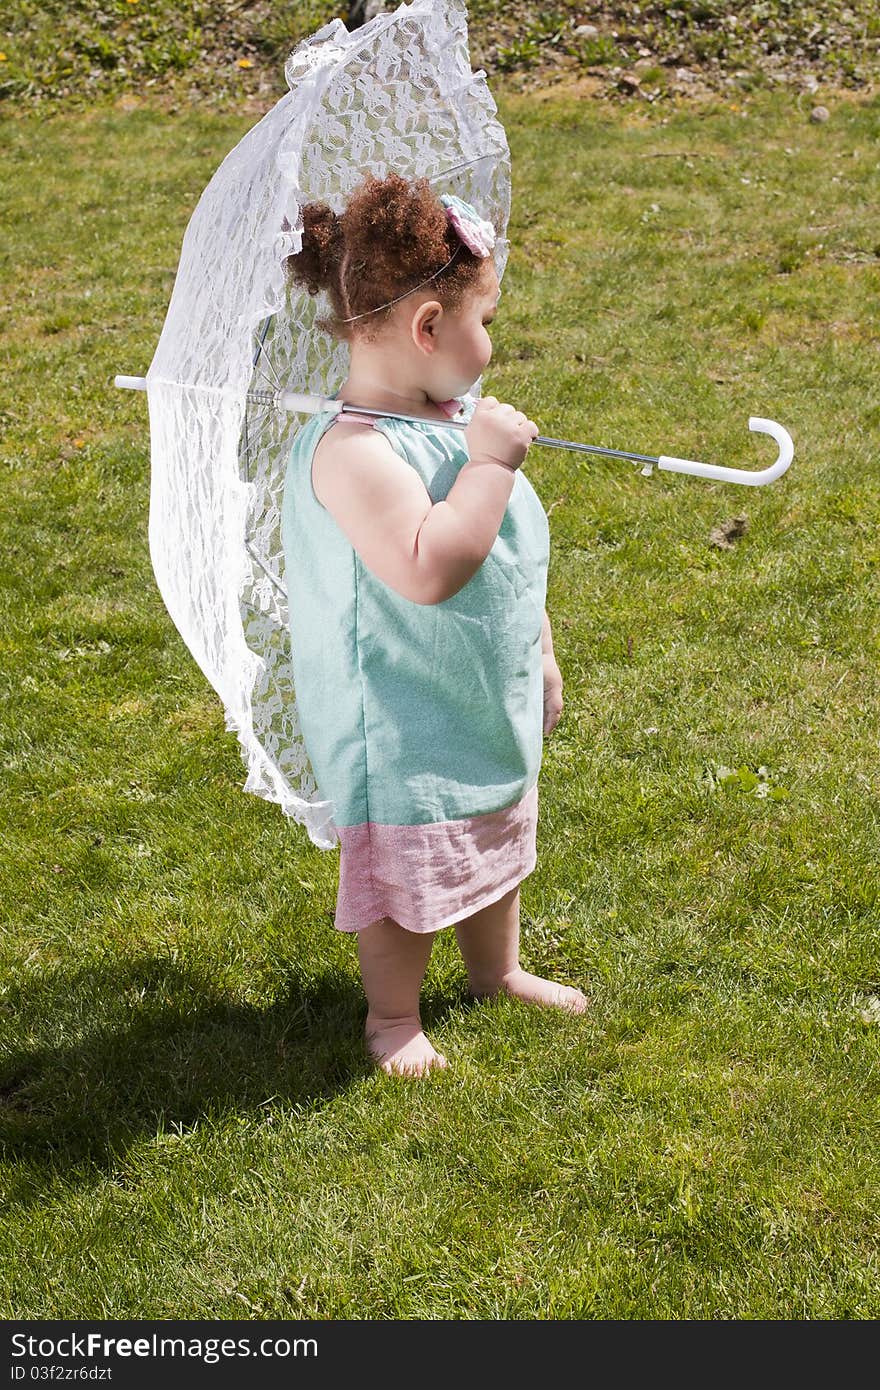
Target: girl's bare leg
(393,963)
(489,943)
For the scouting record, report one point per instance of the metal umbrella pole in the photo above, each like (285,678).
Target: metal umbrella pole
(300,403)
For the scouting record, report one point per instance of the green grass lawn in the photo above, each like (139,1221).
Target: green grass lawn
(189,1127)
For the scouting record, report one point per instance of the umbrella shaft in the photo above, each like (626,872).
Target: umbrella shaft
(309,404)
(594,449)
(139,383)
(541,438)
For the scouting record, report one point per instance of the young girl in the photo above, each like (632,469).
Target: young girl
(416,564)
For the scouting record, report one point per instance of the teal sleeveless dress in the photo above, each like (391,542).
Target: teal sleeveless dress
(423,723)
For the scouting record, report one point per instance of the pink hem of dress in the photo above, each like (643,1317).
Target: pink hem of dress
(426,877)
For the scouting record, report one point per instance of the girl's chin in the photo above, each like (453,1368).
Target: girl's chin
(460,389)
(457,388)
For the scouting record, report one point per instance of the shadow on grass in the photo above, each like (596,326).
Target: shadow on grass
(156,1046)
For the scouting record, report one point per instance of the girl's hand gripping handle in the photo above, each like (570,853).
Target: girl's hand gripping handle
(461,530)
(498,433)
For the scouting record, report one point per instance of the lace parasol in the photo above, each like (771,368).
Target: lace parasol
(396,95)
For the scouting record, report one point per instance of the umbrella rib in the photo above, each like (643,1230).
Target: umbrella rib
(247,444)
(454,168)
(247,441)
(268,361)
(277,582)
(261,353)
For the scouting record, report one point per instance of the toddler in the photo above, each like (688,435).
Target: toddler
(416,565)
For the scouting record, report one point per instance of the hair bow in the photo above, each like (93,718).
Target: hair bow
(477,234)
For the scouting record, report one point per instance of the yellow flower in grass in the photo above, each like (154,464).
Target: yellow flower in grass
(244,63)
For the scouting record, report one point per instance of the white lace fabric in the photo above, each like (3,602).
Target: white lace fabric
(397,95)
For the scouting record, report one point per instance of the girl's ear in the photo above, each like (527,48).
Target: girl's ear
(425,323)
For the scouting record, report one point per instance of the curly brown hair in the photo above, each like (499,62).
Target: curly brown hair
(393,234)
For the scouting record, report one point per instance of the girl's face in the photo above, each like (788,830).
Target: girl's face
(464,348)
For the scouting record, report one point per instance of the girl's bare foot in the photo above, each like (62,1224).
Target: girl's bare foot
(399,1046)
(533,990)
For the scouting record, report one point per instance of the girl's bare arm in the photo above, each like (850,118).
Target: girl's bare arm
(424,550)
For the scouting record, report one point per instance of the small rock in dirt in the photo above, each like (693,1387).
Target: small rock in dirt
(586,31)
(819,114)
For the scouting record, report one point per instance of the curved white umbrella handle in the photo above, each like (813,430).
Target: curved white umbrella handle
(740,475)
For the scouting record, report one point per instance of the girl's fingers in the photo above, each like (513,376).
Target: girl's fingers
(523,420)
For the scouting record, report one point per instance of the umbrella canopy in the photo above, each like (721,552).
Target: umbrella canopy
(397,95)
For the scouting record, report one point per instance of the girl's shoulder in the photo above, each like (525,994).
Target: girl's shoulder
(334,446)
(348,437)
